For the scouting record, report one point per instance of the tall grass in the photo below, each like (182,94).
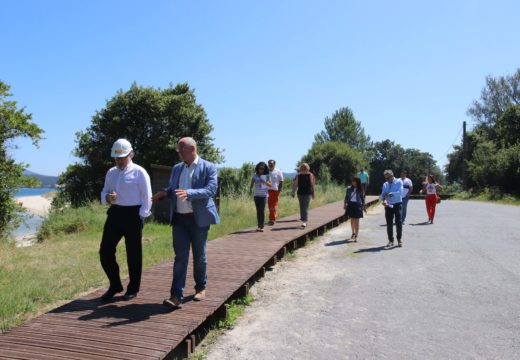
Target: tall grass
(65,263)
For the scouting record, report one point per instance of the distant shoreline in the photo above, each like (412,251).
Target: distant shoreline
(24,192)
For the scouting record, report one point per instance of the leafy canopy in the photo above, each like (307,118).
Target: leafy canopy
(14,123)
(153,120)
(492,156)
(335,158)
(343,127)
(388,155)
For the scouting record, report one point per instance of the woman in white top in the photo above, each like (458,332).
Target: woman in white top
(430,187)
(261,182)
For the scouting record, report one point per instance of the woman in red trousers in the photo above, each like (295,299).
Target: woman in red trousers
(430,188)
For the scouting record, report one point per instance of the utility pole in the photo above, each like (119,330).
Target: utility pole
(464,157)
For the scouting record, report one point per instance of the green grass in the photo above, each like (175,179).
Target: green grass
(488,195)
(66,263)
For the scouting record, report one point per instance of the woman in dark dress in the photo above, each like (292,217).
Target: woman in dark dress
(355,205)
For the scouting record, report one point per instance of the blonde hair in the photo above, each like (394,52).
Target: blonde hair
(305,165)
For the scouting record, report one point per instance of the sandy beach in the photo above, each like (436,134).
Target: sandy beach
(37,205)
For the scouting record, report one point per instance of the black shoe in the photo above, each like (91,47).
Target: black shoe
(129,296)
(172,303)
(109,294)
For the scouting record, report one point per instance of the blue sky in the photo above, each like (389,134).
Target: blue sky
(267,72)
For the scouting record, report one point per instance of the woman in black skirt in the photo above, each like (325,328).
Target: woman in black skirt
(355,205)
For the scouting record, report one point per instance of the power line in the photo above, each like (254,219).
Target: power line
(451,146)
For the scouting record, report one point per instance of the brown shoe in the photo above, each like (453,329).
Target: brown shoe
(199,295)
(172,303)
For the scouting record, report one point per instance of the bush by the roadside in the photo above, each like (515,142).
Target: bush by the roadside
(72,220)
(488,194)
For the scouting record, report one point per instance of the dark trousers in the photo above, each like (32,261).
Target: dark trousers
(260,210)
(390,214)
(122,221)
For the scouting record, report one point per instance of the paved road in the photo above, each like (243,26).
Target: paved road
(452,292)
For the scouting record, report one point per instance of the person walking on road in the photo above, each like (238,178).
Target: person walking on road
(274,191)
(127,189)
(430,187)
(260,182)
(305,186)
(363,176)
(391,195)
(192,186)
(407,190)
(354,205)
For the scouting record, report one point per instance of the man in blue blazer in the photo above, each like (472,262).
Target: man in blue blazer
(192,186)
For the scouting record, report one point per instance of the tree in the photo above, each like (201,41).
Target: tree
(339,159)
(496,97)
(388,155)
(508,126)
(343,127)
(492,157)
(153,120)
(14,123)
(235,182)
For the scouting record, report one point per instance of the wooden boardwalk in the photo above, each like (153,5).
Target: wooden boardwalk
(143,328)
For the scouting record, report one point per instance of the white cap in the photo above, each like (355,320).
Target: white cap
(121,148)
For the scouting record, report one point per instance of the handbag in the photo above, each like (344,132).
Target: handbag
(438,199)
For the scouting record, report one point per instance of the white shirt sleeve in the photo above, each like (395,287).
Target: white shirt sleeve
(146,194)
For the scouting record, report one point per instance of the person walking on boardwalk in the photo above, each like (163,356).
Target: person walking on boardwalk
(274,190)
(391,195)
(260,181)
(192,186)
(363,176)
(127,189)
(305,186)
(407,190)
(354,205)
(430,187)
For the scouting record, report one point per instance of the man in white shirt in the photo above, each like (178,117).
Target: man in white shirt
(274,191)
(407,190)
(128,191)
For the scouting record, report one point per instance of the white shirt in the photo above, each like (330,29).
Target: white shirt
(276,177)
(185,181)
(260,186)
(431,189)
(406,182)
(132,186)
(353,196)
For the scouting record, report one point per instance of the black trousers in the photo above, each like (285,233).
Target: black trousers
(123,221)
(390,214)
(260,210)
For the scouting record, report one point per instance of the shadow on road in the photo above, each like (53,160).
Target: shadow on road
(373,250)
(339,242)
(421,223)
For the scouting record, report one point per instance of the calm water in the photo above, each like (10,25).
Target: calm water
(33,191)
